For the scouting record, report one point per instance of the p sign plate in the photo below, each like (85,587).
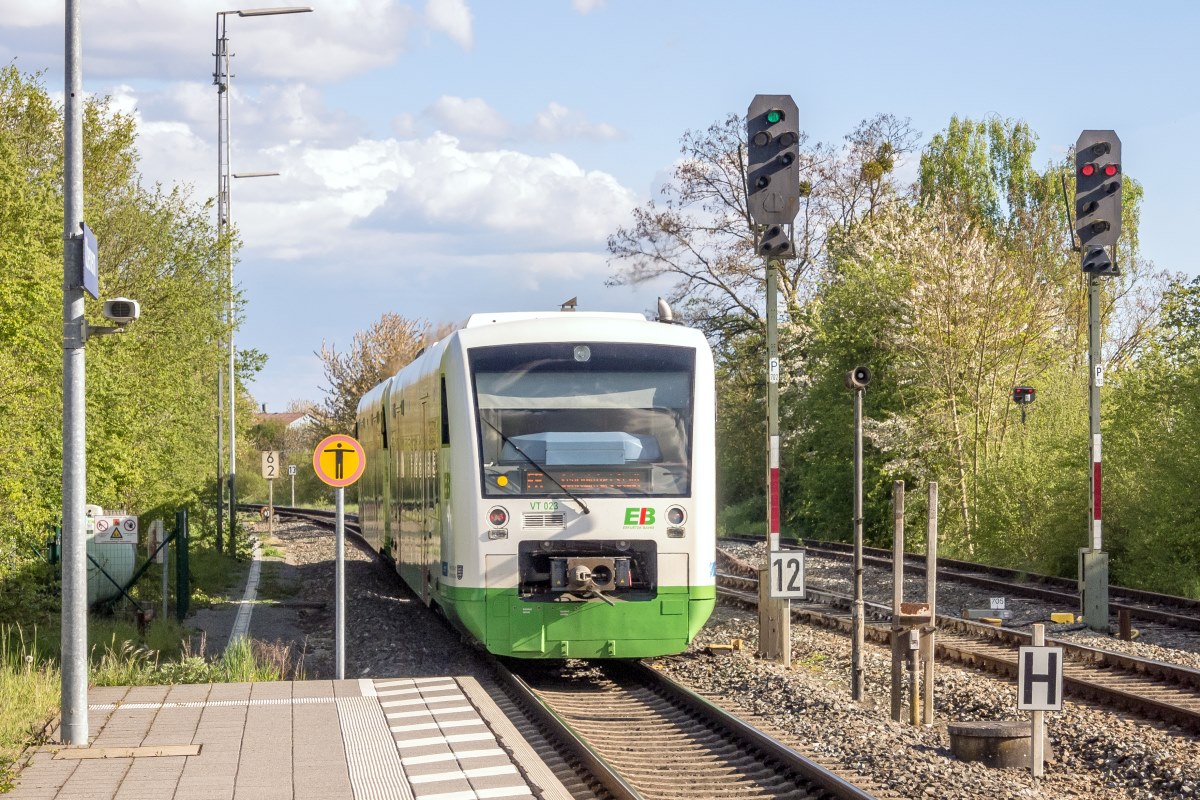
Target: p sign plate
(786,571)
(1040,679)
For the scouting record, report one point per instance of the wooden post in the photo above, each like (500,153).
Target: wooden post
(898,646)
(1124,624)
(773,635)
(914,686)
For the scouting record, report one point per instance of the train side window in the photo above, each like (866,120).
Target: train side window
(445,416)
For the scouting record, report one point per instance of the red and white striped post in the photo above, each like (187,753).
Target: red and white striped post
(1093,561)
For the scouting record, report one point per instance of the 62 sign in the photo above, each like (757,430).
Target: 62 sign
(786,569)
(270,464)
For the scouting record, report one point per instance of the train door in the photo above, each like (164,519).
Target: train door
(428,498)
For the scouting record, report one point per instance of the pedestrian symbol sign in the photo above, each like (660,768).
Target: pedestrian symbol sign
(339,460)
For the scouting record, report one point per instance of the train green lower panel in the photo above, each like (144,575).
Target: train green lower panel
(509,626)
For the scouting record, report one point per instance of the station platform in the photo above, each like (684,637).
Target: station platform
(435,738)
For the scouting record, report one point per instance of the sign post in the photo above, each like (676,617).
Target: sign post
(339,461)
(1039,689)
(292,475)
(270,471)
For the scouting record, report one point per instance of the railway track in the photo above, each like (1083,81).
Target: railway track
(323,517)
(1180,613)
(644,736)
(1149,689)
(635,733)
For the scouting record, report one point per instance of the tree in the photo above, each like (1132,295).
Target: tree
(968,325)
(703,238)
(1152,454)
(375,354)
(151,399)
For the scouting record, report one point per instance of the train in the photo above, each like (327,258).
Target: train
(547,481)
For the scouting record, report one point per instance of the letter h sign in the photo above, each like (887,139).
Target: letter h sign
(1040,679)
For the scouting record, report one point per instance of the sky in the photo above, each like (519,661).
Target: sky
(439,158)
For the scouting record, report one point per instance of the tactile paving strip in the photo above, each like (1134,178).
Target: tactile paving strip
(447,750)
(375,771)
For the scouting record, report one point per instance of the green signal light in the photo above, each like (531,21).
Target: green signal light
(774,115)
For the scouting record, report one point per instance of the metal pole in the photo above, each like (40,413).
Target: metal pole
(897,597)
(232,350)
(221,79)
(929,642)
(1095,560)
(74,482)
(166,561)
(858,633)
(781,608)
(293,477)
(1095,381)
(340,585)
(772,405)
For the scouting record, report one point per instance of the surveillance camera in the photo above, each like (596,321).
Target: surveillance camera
(858,378)
(122,310)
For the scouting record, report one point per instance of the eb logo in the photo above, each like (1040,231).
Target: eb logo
(639,516)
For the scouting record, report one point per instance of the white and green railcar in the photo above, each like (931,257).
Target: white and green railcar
(548,481)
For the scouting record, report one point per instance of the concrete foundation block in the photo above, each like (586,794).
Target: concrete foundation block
(1003,744)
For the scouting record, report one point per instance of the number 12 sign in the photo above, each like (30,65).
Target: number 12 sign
(787,575)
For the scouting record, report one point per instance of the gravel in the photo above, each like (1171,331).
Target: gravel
(1099,754)
(388,632)
(1158,642)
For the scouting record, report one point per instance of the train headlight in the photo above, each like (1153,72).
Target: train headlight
(676,515)
(498,520)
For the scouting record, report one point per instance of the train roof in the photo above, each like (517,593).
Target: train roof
(478,320)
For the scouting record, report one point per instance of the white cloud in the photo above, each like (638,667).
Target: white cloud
(32,13)
(557,123)
(434,181)
(451,17)
(175,40)
(587,6)
(467,117)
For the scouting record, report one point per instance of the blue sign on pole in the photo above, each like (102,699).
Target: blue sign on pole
(91,262)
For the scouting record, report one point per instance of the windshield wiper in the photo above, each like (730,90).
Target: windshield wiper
(504,438)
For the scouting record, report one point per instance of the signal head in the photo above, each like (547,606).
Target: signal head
(1097,195)
(772,168)
(858,378)
(1024,394)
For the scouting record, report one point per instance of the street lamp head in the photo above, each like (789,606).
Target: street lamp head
(264,12)
(255,174)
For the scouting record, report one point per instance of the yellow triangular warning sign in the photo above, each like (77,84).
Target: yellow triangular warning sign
(116,534)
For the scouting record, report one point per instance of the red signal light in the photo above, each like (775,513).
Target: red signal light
(1088,170)
(498,517)
(1111,169)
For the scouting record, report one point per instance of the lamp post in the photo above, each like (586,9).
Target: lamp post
(221,78)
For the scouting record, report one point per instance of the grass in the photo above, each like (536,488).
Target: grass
(30,679)
(29,691)
(244,661)
(213,574)
(119,654)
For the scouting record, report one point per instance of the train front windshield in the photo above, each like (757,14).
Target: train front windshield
(597,419)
